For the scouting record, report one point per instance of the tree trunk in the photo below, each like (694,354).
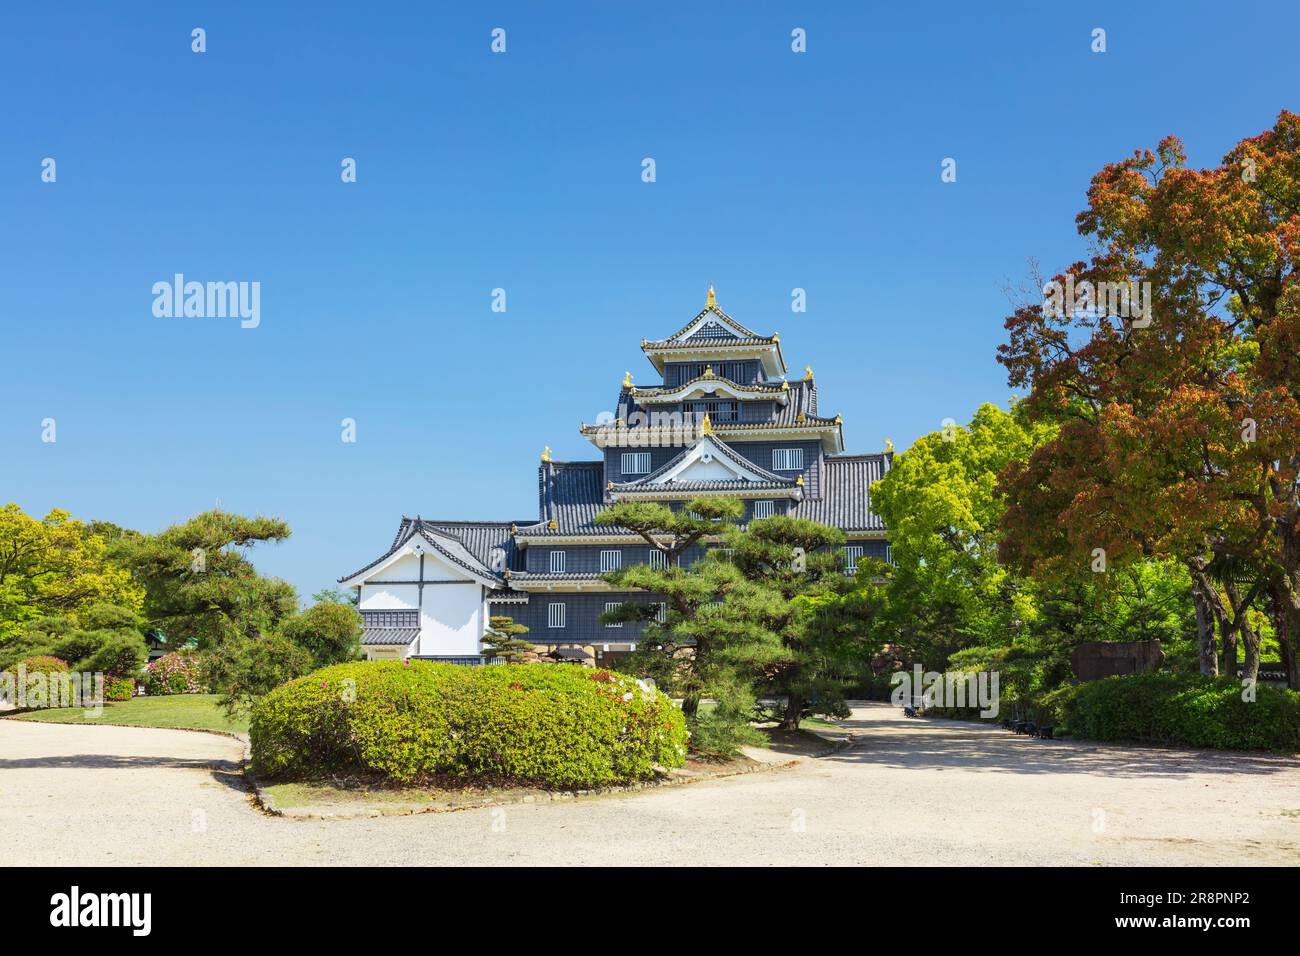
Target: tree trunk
(1229,627)
(793,712)
(1286,618)
(1251,639)
(1205,629)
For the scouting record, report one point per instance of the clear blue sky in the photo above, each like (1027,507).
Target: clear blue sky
(522,171)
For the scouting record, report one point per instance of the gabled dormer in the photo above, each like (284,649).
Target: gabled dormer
(715,336)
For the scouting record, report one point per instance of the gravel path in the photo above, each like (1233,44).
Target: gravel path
(926,791)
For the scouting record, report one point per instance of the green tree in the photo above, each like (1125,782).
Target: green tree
(201,588)
(794,638)
(672,531)
(330,632)
(244,668)
(56,566)
(502,640)
(104,639)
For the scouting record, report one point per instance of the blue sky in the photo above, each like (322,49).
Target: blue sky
(523,171)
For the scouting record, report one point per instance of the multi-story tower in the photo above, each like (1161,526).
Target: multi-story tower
(725,420)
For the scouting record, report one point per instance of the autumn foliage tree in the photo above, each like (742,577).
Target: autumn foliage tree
(1178,431)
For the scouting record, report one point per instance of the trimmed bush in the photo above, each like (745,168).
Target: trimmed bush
(414,721)
(118,688)
(177,673)
(42,664)
(1191,710)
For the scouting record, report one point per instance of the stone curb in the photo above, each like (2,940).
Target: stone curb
(267,802)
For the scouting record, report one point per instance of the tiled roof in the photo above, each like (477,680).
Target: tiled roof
(769,478)
(710,310)
(447,543)
(557,576)
(845,500)
(767,389)
(389,636)
(570,493)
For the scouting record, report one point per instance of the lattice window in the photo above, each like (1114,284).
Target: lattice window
(557,562)
(555,615)
(764,509)
(391,618)
(787,459)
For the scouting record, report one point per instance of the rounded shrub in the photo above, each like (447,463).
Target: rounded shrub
(42,664)
(568,727)
(178,673)
(1191,710)
(118,688)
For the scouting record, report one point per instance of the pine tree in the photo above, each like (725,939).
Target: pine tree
(501,640)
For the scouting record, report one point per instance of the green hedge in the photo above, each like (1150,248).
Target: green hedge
(1192,710)
(412,721)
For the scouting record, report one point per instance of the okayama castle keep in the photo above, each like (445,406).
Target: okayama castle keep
(725,421)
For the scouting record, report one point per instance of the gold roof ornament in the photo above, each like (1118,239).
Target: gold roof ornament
(776,336)
(706,426)
(799,481)
(808,372)
(551,524)
(801,417)
(546,453)
(609,486)
(514,528)
(839,420)
(889,446)
(708,371)
(710,300)
(785,386)
(505,573)
(627,379)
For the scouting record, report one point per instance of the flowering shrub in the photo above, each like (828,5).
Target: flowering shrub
(118,688)
(42,664)
(414,721)
(178,673)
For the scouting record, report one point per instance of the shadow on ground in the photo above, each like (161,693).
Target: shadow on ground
(887,738)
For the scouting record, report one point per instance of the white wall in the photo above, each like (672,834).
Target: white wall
(454,615)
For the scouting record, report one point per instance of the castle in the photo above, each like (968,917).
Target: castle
(725,421)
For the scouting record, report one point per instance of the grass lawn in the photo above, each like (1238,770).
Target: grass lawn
(180,711)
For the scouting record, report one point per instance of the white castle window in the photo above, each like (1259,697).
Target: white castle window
(636,463)
(764,509)
(555,615)
(613,607)
(610,561)
(787,459)
(557,564)
(851,555)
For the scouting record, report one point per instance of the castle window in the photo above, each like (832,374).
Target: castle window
(391,618)
(613,607)
(661,612)
(787,459)
(764,509)
(610,561)
(557,562)
(657,559)
(555,615)
(636,463)
(851,555)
